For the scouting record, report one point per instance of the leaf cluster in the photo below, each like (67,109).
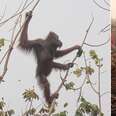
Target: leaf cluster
(69,86)
(4,112)
(64,113)
(31,111)
(30,95)
(2,42)
(88,70)
(87,108)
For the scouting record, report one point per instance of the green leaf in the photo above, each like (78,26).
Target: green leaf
(10,112)
(88,82)
(30,111)
(80,51)
(2,113)
(78,113)
(69,86)
(2,104)
(78,72)
(66,104)
(2,42)
(30,95)
(89,70)
(61,113)
(86,107)
(93,54)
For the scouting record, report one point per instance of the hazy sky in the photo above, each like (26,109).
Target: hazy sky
(69,19)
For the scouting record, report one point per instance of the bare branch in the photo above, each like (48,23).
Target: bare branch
(97,45)
(16,14)
(4,56)
(1,17)
(100,6)
(107,2)
(66,75)
(99,85)
(88,75)
(105,93)
(11,46)
(106,28)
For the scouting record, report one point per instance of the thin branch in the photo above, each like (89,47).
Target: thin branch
(106,28)
(105,93)
(11,46)
(14,28)
(19,7)
(3,22)
(19,14)
(1,17)
(81,87)
(99,85)
(67,72)
(100,6)
(88,75)
(107,2)
(11,40)
(92,45)
(35,5)
(4,56)
(87,31)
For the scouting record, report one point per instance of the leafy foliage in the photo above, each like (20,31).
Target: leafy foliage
(95,57)
(88,70)
(69,86)
(9,112)
(2,104)
(65,105)
(30,112)
(4,112)
(87,108)
(2,42)
(30,95)
(78,72)
(64,113)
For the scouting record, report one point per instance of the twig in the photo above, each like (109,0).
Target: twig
(13,31)
(66,75)
(106,28)
(11,46)
(18,11)
(81,87)
(107,2)
(3,22)
(99,85)
(1,17)
(105,93)
(4,56)
(100,6)
(92,45)
(88,75)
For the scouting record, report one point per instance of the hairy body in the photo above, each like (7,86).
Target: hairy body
(45,52)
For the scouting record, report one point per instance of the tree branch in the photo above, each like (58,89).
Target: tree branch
(100,6)
(67,72)
(12,44)
(92,45)
(16,14)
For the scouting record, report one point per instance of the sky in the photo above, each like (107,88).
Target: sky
(69,19)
